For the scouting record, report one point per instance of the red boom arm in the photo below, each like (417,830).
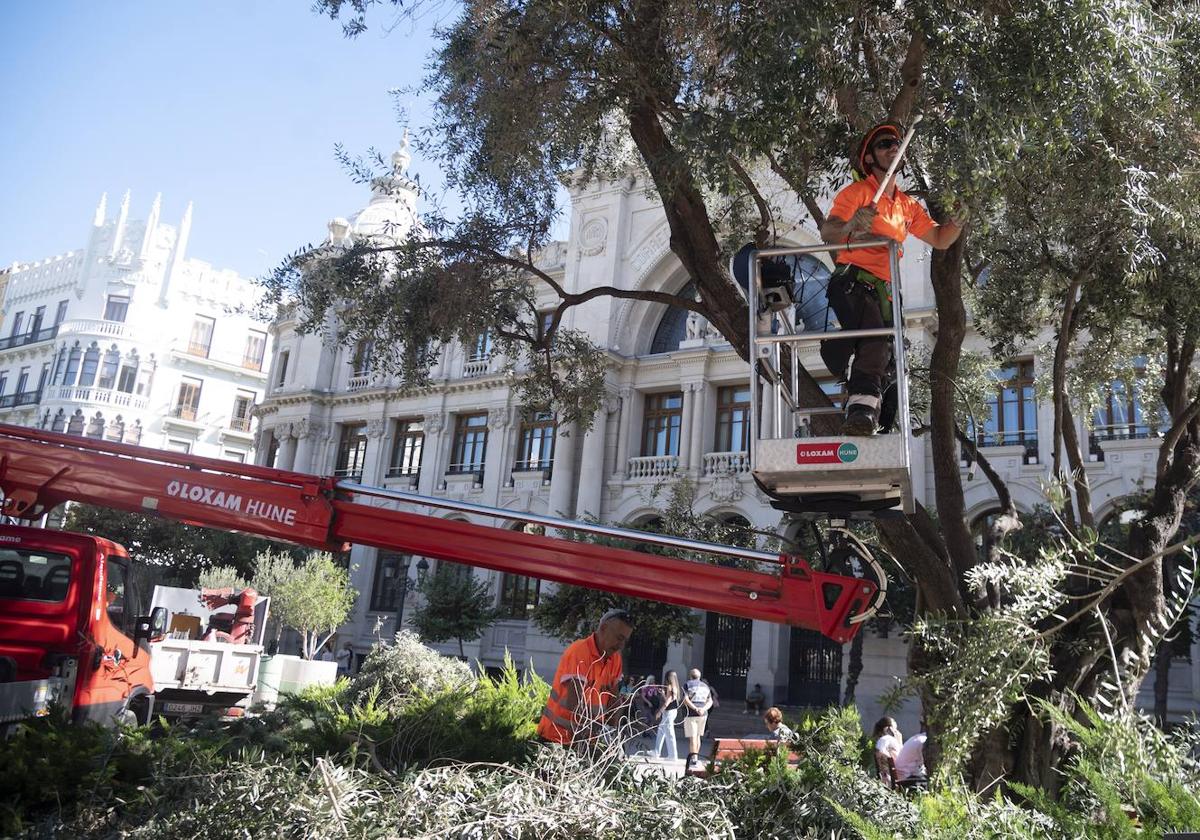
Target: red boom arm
(41,470)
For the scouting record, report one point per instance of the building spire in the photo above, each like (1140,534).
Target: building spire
(119,234)
(177,254)
(101,211)
(151,226)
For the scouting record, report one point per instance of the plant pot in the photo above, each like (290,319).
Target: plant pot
(298,674)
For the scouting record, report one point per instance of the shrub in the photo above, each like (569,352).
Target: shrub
(405,670)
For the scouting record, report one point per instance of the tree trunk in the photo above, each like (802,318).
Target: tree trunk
(854,668)
(1162,682)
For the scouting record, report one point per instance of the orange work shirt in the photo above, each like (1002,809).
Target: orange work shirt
(896,218)
(581,662)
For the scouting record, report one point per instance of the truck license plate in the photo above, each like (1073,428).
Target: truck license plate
(183,708)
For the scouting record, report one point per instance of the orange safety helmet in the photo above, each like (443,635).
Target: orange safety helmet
(858,162)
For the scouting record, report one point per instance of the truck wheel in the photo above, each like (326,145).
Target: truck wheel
(135,713)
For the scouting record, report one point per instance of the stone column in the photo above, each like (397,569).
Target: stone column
(625,432)
(285,458)
(562,478)
(699,426)
(497,463)
(591,478)
(768,666)
(685,427)
(431,454)
(375,464)
(307,434)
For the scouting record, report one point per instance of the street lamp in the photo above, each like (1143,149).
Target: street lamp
(422,568)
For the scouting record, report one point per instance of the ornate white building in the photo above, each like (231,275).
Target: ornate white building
(677,404)
(129,339)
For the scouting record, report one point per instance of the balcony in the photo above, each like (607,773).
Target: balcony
(653,466)
(20,398)
(475,368)
(195,348)
(100,396)
(184,412)
(240,424)
(361,382)
(94,326)
(721,463)
(44,334)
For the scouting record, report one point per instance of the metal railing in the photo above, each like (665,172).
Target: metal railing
(778,354)
(31,337)
(21,398)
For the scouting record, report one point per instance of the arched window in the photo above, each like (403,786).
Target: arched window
(95,427)
(59,424)
(127,380)
(672,329)
(108,368)
(811,280)
(76,423)
(91,361)
(72,370)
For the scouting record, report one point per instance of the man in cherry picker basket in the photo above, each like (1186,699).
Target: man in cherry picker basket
(860,290)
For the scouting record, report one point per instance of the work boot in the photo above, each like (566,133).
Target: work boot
(861,421)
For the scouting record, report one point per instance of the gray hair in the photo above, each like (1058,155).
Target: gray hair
(618,614)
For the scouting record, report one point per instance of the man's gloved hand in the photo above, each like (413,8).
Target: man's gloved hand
(861,221)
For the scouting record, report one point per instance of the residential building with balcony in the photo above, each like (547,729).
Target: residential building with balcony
(677,403)
(129,339)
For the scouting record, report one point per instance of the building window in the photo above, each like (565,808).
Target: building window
(363,359)
(39,316)
(72,370)
(518,596)
(1121,414)
(95,426)
(672,329)
(408,447)
(3,382)
(733,419)
(470,444)
(187,403)
(76,423)
(660,428)
(1012,408)
(116,307)
(282,368)
(390,569)
(352,451)
(61,314)
(44,376)
(17,324)
(255,350)
(91,362)
(127,380)
(200,341)
(108,369)
(536,450)
(22,380)
(234,455)
(457,571)
(115,430)
(59,423)
(481,349)
(242,404)
(182,446)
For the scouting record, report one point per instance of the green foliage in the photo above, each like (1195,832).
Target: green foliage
(395,674)
(315,599)
(220,577)
(456,606)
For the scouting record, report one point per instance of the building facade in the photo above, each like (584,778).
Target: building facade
(677,404)
(130,339)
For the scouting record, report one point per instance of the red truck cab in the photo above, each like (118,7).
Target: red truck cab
(71,629)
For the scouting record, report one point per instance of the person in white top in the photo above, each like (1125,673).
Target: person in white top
(697,699)
(344,658)
(910,760)
(888,741)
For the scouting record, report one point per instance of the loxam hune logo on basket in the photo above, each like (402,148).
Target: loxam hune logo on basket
(826,453)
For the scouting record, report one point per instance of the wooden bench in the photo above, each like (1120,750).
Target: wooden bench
(731,749)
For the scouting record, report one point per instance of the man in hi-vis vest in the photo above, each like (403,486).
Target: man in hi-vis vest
(586,685)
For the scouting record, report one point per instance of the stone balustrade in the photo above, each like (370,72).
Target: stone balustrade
(654,466)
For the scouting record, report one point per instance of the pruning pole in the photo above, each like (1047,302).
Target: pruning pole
(896,161)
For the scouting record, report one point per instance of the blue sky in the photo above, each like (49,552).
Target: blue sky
(233,105)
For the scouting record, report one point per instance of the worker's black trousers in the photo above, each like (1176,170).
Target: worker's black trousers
(858,307)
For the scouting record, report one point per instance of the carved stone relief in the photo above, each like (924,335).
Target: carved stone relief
(593,237)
